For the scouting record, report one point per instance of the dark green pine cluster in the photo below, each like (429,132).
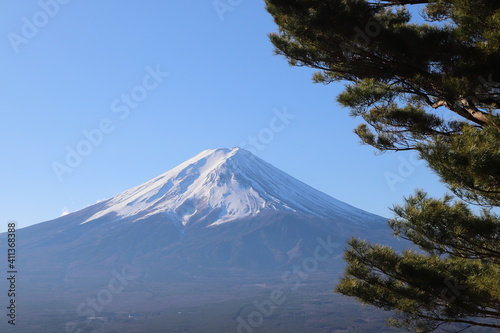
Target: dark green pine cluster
(433,87)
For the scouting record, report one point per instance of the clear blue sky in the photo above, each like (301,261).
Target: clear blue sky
(72,71)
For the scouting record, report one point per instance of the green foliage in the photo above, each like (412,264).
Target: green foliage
(469,162)
(452,279)
(392,60)
(400,76)
(443,227)
(425,288)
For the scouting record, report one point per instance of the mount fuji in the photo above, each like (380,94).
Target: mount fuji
(222,226)
(224,209)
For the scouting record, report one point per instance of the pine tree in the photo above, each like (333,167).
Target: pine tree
(428,87)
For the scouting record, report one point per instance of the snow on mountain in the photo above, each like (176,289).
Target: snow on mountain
(234,182)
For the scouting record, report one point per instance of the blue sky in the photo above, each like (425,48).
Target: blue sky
(153,83)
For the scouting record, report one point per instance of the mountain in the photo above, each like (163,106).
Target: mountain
(222,209)
(222,226)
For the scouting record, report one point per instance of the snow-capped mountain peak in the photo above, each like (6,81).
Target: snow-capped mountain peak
(233,183)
